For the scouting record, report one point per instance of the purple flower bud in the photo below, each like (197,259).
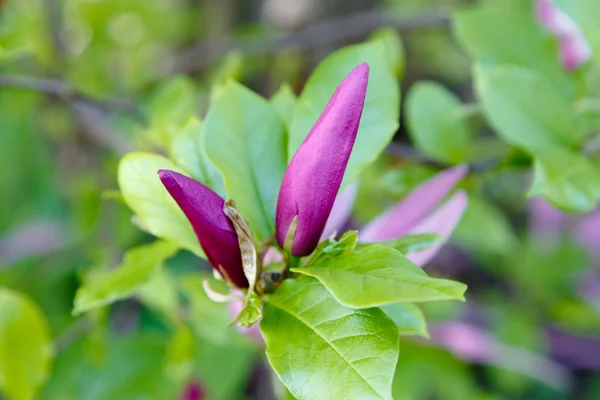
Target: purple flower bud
(314,176)
(215,232)
(574,49)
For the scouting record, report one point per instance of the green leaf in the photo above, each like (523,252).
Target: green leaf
(25,346)
(566,179)
(160,295)
(188,151)
(251,313)
(380,116)
(408,317)
(284,102)
(180,355)
(170,107)
(323,350)
(394,49)
(413,243)
(332,248)
(157,212)
(435,123)
(245,139)
(379,275)
(483,32)
(137,268)
(532,119)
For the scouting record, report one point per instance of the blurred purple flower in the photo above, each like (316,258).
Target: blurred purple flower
(417,213)
(475,345)
(193,391)
(216,234)
(314,175)
(574,49)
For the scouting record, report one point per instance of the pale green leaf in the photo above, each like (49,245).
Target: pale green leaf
(25,346)
(245,139)
(526,109)
(379,275)
(413,243)
(160,295)
(380,116)
(284,102)
(331,248)
(323,350)
(566,179)
(435,123)
(408,317)
(169,107)
(137,268)
(156,210)
(188,151)
(394,49)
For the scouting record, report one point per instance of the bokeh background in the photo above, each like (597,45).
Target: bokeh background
(83,82)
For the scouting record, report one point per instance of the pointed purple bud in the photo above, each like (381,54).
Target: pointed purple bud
(574,48)
(342,208)
(215,232)
(314,176)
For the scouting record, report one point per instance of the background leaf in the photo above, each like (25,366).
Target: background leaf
(532,119)
(245,138)
(379,275)
(380,115)
(436,125)
(566,179)
(284,102)
(313,341)
(408,317)
(156,210)
(188,151)
(135,271)
(25,346)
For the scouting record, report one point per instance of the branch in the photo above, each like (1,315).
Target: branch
(332,31)
(89,111)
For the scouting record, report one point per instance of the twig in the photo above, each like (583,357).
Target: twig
(326,33)
(62,90)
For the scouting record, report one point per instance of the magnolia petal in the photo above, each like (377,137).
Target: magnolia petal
(216,234)
(574,48)
(400,219)
(314,175)
(340,213)
(442,221)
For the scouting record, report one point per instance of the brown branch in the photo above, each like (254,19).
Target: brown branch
(329,32)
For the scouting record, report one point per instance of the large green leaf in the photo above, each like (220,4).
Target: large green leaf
(156,211)
(525,108)
(408,317)
(566,179)
(323,350)
(284,102)
(379,275)
(25,346)
(137,268)
(380,116)
(394,49)
(483,30)
(245,138)
(188,151)
(435,123)
(169,107)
